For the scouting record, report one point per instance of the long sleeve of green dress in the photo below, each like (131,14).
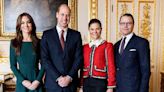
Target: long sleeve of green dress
(13,65)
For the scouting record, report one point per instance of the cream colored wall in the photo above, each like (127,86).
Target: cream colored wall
(83,18)
(4,53)
(161,39)
(4,48)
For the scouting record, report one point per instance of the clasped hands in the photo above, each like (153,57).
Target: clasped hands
(64,81)
(29,85)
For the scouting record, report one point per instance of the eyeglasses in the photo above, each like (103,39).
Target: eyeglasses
(126,23)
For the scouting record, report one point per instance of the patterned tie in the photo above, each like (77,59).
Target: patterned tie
(122,45)
(62,39)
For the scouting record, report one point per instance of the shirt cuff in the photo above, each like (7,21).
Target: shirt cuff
(58,79)
(111,87)
(70,77)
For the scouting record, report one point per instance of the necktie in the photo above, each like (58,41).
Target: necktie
(122,45)
(62,39)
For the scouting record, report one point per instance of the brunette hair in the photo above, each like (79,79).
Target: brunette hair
(17,41)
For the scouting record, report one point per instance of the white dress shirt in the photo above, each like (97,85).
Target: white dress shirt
(128,37)
(59,30)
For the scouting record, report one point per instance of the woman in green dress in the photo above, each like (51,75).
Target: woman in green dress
(25,56)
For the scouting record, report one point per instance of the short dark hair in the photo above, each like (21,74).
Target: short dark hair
(128,15)
(94,21)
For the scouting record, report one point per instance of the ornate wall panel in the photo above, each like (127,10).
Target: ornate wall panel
(123,6)
(146,22)
(146,16)
(74,19)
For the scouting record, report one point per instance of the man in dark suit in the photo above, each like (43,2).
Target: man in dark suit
(61,54)
(132,58)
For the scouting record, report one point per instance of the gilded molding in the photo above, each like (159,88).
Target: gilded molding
(93,9)
(146,22)
(125,0)
(7,36)
(4,60)
(124,7)
(106,21)
(73,5)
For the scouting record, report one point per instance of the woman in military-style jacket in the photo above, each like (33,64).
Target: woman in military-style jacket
(98,71)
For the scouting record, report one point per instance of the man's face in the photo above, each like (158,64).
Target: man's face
(63,17)
(126,25)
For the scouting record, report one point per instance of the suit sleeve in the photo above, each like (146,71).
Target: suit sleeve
(110,66)
(78,57)
(13,65)
(144,59)
(46,59)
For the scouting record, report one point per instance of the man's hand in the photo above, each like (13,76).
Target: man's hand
(64,81)
(80,90)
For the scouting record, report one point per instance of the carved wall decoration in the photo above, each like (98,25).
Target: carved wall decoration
(73,5)
(146,22)
(146,9)
(124,8)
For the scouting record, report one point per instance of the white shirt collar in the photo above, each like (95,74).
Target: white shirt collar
(96,42)
(59,31)
(128,37)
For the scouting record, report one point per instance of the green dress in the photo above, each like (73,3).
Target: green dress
(26,67)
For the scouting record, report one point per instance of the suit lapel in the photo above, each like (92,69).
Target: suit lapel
(117,47)
(130,43)
(56,39)
(118,55)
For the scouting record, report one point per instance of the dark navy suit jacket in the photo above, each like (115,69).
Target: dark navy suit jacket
(58,62)
(133,66)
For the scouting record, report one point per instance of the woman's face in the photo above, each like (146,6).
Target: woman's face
(95,31)
(26,25)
